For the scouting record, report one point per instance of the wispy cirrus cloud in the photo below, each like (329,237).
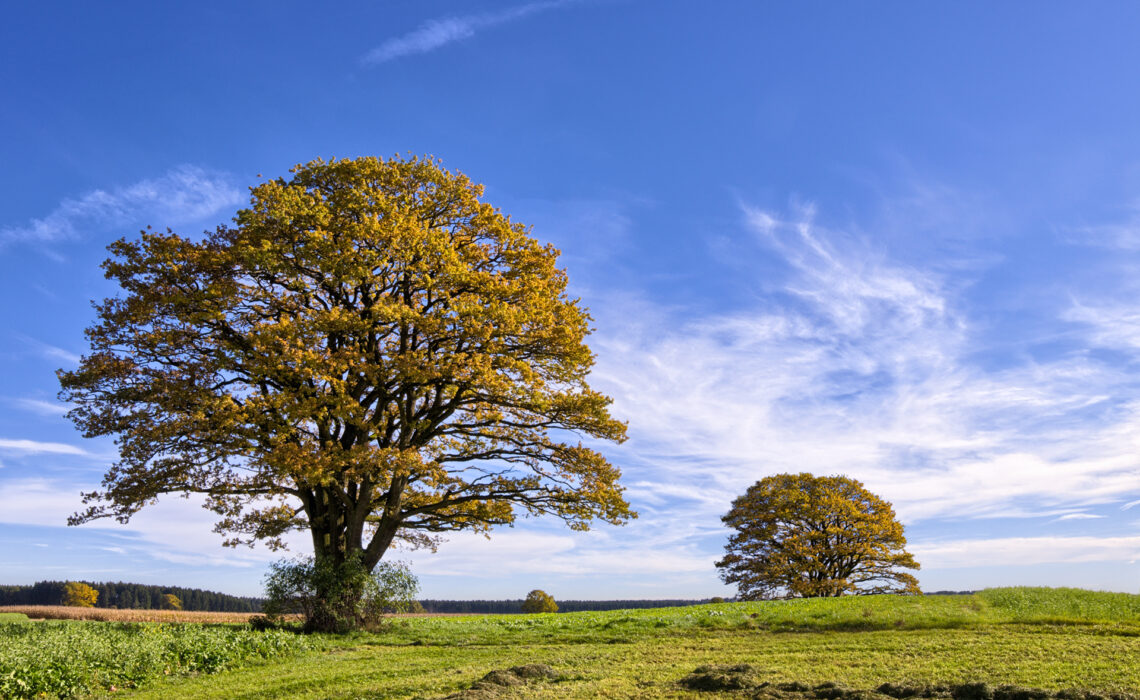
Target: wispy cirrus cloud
(43,408)
(846,360)
(1122,234)
(183,195)
(35,447)
(436,33)
(858,364)
(174,530)
(48,351)
(1027,551)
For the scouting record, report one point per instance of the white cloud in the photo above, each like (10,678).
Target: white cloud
(436,33)
(1026,551)
(60,354)
(1121,235)
(176,530)
(184,195)
(851,363)
(654,548)
(1109,324)
(34,447)
(858,365)
(37,501)
(43,408)
(49,352)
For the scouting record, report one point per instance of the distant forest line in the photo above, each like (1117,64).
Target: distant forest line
(131,596)
(497,607)
(506,607)
(138,596)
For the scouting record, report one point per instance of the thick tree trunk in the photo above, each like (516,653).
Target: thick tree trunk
(338,532)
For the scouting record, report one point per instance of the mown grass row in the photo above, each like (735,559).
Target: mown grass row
(1048,657)
(1049,638)
(1110,613)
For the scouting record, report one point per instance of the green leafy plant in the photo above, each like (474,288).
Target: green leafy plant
(338,597)
(58,658)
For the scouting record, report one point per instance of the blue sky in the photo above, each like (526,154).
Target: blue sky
(898,241)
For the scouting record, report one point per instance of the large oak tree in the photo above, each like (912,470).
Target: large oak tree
(370,353)
(799,535)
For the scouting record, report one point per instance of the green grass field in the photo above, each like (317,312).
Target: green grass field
(1051,639)
(13,617)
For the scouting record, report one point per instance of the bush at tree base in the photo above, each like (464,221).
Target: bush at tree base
(338,597)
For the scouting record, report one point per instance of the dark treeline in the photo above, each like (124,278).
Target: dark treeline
(130,596)
(497,607)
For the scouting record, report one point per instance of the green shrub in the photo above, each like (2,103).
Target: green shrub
(338,597)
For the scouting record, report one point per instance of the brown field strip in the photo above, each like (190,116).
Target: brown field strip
(63,612)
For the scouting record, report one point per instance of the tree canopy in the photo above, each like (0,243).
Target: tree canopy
(798,535)
(539,601)
(370,353)
(79,595)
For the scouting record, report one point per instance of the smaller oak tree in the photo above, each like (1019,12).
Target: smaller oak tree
(171,602)
(799,535)
(539,601)
(79,595)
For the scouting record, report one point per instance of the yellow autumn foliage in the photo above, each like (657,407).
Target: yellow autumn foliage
(539,601)
(799,535)
(370,353)
(79,595)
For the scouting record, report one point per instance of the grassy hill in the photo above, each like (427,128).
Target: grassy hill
(1046,639)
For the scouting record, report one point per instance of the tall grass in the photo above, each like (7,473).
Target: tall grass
(1063,605)
(12,617)
(68,659)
